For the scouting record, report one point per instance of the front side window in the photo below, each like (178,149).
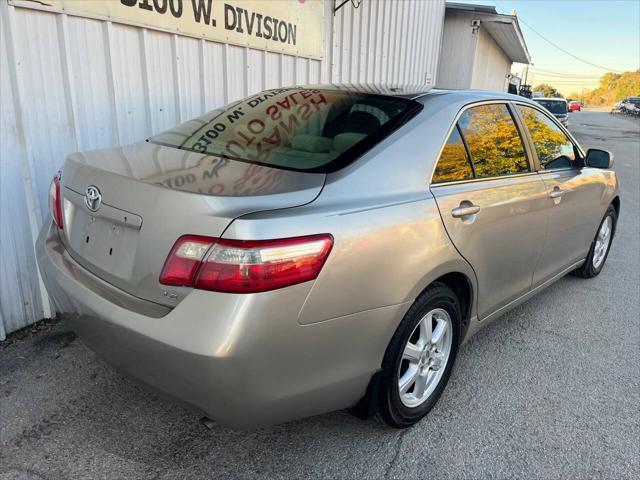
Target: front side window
(294,128)
(494,143)
(453,164)
(555,150)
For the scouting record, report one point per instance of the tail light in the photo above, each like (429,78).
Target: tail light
(55,201)
(244,266)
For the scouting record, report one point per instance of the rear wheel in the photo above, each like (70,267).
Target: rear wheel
(419,358)
(600,246)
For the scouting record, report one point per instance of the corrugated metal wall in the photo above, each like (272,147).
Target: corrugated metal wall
(71,83)
(388,42)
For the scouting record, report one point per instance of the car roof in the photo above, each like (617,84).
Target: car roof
(391,90)
(556,99)
(415,91)
(470,94)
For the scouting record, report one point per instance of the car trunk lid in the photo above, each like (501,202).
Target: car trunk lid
(150,195)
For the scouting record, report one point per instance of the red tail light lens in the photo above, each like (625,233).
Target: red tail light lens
(258,266)
(237,266)
(183,261)
(55,201)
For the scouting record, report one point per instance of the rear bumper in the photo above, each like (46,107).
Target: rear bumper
(243,360)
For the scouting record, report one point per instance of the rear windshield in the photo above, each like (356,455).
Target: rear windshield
(295,129)
(635,100)
(554,106)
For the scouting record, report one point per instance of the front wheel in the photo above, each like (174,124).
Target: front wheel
(600,246)
(419,358)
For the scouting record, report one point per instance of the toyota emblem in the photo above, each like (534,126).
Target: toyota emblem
(92,198)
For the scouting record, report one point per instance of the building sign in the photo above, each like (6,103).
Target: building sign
(294,27)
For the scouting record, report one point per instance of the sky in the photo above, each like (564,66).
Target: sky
(603,32)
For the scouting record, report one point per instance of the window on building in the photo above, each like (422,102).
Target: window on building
(494,143)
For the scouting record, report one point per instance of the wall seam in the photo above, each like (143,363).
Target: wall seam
(175,65)
(111,86)
(225,73)
(67,78)
(245,70)
(203,75)
(144,64)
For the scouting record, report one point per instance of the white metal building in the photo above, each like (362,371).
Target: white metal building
(73,80)
(479,47)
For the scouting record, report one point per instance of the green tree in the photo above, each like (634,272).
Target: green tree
(613,88)
(547,90)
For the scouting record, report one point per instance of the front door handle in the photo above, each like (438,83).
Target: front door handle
(556,193)
(465,211)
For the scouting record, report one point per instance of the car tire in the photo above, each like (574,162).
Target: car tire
(438,303)
(596,259)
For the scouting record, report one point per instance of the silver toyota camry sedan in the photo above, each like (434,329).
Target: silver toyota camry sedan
(323,247)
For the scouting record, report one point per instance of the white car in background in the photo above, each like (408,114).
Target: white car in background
(617,107)
(556,106)
(631,105)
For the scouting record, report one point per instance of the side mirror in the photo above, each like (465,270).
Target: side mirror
(597,158)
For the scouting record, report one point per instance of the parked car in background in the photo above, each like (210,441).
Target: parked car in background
(557,106)
(315,248)
(617,108)
(574,106)
(631,106)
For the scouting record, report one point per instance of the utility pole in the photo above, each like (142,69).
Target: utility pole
(526,73)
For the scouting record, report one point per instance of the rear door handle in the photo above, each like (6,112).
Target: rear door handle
(465,211)
(556,193)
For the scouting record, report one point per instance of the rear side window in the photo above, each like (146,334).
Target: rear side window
(312,130)
(454,164)
(494,143)
(555,150)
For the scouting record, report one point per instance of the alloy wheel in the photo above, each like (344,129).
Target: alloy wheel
(425,357)
(603,240)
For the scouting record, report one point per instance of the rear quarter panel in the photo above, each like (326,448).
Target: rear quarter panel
(382,255)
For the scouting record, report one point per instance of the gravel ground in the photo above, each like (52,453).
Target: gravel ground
(551,390)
